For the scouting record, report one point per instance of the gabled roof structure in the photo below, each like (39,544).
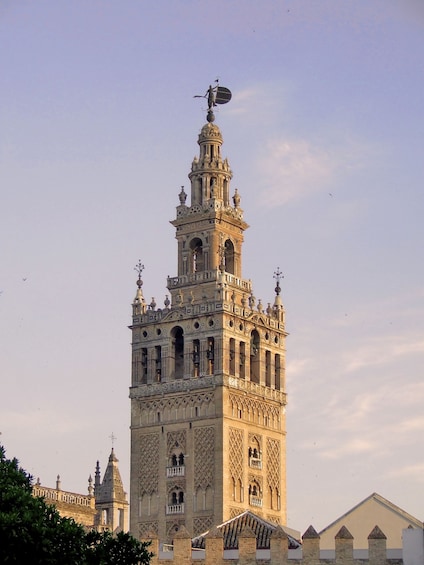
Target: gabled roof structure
(362,518)
(232,528)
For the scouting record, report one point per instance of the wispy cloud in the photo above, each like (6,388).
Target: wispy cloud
(415,472)
(293,169)
(383,350)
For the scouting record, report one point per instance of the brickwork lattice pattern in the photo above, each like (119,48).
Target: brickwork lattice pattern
(148,466)
(204,457)
(273,465)
(236,454)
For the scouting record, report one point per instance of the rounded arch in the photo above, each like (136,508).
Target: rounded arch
(177,335)
(255,356)
(229,256)
(197,259)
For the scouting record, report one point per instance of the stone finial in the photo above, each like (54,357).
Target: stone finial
(214,533)
(182,196)
(236,199)
(311,533)
(377,534)
(343,533)
(247,532)
(279,533)
(58,482)
(90,485)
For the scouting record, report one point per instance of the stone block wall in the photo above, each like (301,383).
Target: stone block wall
(277,554)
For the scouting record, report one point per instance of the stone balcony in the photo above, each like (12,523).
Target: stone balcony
(255,501)
(255,463)
(175,508)
(175,471)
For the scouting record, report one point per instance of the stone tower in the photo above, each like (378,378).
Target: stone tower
(208,373)
(111,499)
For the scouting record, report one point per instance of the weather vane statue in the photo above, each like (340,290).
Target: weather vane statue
(215,95)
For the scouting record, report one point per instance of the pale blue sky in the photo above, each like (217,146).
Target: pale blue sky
(98,128)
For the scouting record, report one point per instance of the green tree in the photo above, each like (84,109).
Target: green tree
(32,531)
(122,549)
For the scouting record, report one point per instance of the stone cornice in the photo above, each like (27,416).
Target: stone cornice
(207,382)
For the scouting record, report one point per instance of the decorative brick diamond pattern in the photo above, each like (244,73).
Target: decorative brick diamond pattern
(204,457)
(148,465)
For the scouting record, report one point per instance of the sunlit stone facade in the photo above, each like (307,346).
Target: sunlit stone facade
(208,374)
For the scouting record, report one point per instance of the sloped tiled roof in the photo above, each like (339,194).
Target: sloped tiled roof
(232,528)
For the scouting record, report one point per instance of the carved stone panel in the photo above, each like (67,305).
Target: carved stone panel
(204,457)
(148,466)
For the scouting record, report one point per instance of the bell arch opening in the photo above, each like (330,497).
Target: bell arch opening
(197,259)
(254,357)
(177,335)
(229,256)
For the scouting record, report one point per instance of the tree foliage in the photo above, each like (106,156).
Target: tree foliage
(32,531)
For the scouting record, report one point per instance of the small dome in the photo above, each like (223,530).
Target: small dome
(210,131)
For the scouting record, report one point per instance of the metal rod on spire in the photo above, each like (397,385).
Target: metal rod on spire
(112,438)
(278,275)
(139,268)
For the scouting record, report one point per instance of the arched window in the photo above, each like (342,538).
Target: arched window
(229,256)
(268,368)
(254,357)
(210,355)
(255,456)
(197,262)
(232,356)
(178,351)
(255,495)
(176,499)
(242,359)
(196,357)
(277,372)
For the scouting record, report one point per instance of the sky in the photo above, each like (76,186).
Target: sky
(98,129)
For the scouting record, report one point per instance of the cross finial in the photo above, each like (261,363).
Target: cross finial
(278,275)
(112,438)
(139,268)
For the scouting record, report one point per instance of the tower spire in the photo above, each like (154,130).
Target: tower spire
(203,365)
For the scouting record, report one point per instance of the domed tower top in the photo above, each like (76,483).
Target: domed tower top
(210,174)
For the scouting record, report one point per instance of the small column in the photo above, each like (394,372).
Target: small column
(377,551)
(310,549)
(344,547)
(279,546)
(247,547)
(214,547)
(182,547)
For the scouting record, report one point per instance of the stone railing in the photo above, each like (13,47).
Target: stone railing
(175,508)
(255,463)
(56,496)
(175,471)
(255,501)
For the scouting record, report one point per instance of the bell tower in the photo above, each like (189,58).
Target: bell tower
(208,372)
